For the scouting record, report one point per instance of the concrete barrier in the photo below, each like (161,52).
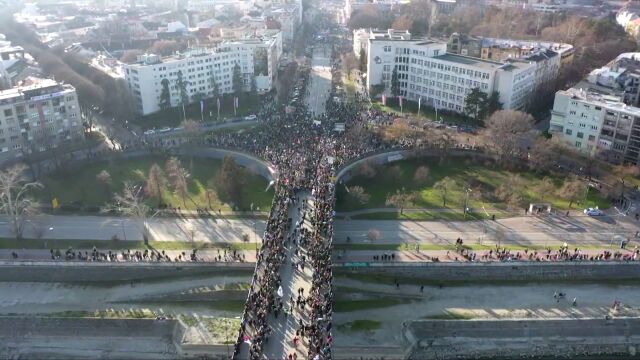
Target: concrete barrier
(497,271)
(511,339)
(348,170)
(84,338)
(256,165)
(50,271)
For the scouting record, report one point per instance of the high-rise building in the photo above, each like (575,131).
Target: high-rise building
(427,72)
(257,56)
(40,115)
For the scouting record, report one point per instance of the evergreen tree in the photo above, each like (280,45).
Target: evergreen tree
(474,103)
(216,88)
(492,105)
(395,83)
(237,82)
(363,61)
(181,84)
(253,92)
(165,95)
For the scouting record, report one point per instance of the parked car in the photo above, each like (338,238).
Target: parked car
(149,132)
(164,130)
(250,117)
(593,212)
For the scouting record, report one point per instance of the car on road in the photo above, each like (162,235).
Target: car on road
(250,117)
(593,212)
(149,132)
(164,129)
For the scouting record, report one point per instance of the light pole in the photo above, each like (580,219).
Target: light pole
(466,201)
(255,241)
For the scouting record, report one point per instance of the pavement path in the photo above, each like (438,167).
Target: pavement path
(283,327)
(533,231)
(320,76)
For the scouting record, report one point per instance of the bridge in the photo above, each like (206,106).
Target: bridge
(288,309)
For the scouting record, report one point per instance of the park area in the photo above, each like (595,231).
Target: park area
(174,117)
(426,183)
(198,184)
(425,113)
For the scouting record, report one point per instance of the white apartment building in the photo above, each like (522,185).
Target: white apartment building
(361,38)
(597,124)
(427,71)
(38,117)
(200,66)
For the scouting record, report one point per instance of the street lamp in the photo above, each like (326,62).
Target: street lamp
(466,201)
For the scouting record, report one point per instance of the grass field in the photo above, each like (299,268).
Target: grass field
(174,117)
(482,178)
(78,189)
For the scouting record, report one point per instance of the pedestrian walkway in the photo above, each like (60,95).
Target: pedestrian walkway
(296,274)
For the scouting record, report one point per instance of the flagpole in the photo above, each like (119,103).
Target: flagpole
(184,113)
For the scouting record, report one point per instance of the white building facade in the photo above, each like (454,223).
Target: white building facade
(38,117)
(200,66)
(597,125)
(426,71)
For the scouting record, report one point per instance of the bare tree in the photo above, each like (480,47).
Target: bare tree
(15,197)
(508,133)
(373,234)
(179,178)
(421,175)
(155,182)
(358,193)
(131,203)
(545,187)
(443,186)
(367,170)
(399,200)
(572,190)
(104,178)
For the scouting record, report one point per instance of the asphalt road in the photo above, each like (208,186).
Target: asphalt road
(549,230)
(320,79)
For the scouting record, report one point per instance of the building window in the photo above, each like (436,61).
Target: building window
(568,132)
(580,135)
(578,144)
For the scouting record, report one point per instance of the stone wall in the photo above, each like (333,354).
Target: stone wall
(80,338)
(347,171)
(511,339)
(49,271)
(493,271)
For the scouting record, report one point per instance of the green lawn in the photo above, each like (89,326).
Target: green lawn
(174,117)
(426,113)
(77,188)
(482,178)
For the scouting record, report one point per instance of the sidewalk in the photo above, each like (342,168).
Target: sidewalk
(339,256)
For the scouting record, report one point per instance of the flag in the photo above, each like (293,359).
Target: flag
(400,98)
(235,102)
(419,102)
(246,339)
(201,106)
(218,103)
(384,100)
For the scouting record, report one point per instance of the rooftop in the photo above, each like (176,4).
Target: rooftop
(466,60)
(33,85)
(606,101)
